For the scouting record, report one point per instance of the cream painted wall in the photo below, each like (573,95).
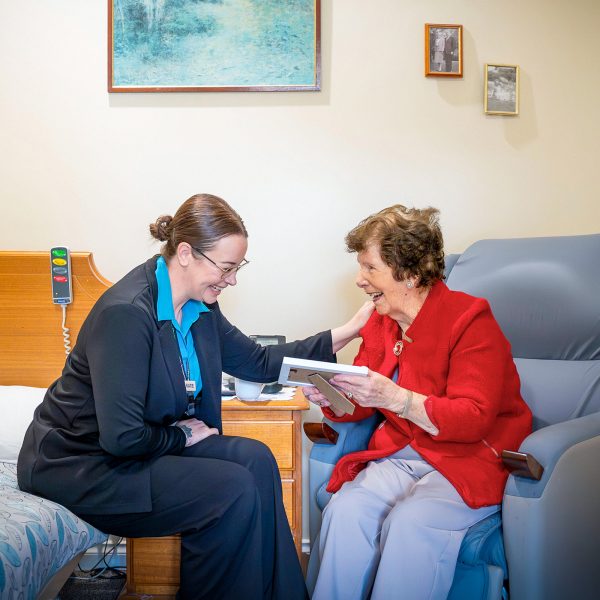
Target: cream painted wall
(81,167)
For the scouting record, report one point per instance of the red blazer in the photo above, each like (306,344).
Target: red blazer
(460,359)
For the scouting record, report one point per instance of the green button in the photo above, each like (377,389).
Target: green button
(59,252)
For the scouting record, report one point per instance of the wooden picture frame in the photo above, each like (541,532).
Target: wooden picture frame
(210,46)
(443,50)
(501,89)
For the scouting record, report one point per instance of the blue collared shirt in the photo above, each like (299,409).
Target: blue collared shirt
(189,315)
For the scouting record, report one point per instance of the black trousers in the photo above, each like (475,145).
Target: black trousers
(223,495)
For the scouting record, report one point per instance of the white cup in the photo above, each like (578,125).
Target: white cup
(248,390)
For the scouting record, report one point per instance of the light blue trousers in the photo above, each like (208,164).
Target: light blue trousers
(393,533)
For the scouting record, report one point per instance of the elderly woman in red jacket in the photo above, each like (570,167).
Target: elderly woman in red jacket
(442,376)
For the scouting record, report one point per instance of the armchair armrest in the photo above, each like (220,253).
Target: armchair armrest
(320,433)
(551,527)
(548,445)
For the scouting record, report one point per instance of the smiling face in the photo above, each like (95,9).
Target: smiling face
(204,279)
(391,297)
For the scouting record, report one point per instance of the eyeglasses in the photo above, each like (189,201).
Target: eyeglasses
(228,270)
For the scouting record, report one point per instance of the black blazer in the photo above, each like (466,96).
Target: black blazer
(109,415)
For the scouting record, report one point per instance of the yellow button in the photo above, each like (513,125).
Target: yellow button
(59,261)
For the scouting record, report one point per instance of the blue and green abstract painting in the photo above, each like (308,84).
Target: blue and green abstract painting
(213,43)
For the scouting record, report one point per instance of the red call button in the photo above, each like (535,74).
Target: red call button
(60,278)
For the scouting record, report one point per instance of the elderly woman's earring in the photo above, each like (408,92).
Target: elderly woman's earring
(410,284)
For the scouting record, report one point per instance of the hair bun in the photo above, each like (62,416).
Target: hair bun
(160,228)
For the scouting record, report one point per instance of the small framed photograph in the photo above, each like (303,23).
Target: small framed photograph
(501,90)
(443,50)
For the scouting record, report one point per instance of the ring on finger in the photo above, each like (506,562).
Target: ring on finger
(350,395)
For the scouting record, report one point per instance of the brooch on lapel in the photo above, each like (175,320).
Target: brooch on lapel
(399,345)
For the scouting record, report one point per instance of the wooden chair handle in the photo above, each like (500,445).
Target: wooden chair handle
(522,464)
(321,433)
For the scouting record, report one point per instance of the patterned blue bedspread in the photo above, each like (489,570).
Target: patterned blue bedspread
(37,538)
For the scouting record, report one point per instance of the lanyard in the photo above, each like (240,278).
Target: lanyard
(190,384)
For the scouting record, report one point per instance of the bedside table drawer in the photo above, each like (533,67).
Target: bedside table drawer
(278,436)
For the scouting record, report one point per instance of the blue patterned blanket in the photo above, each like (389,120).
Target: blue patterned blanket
(37,538)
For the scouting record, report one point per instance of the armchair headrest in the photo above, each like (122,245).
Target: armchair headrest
(544,292)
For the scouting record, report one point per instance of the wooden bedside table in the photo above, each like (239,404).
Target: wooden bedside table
(153,563)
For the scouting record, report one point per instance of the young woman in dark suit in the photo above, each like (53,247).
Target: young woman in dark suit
(129,437)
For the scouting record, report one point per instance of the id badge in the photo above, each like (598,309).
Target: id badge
(190,385)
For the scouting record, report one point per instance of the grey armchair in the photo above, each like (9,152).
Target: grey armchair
(545,293)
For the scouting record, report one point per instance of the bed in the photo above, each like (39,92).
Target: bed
(40,541)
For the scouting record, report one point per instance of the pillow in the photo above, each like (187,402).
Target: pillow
(17,404)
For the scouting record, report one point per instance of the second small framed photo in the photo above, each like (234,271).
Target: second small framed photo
(443,50)
(501,96)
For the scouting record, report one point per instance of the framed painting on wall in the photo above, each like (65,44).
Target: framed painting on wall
(214,45)
(501,95)
(443,50)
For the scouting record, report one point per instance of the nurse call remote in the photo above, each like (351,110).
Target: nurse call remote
(60,270)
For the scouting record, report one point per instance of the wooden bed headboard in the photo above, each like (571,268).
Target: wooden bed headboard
(32,348)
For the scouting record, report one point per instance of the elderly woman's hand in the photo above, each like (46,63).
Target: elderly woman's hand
(314,396)
(375,390)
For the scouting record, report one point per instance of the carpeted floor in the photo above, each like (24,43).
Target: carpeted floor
(82,586)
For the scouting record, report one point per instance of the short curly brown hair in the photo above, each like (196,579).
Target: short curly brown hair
(410,242)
